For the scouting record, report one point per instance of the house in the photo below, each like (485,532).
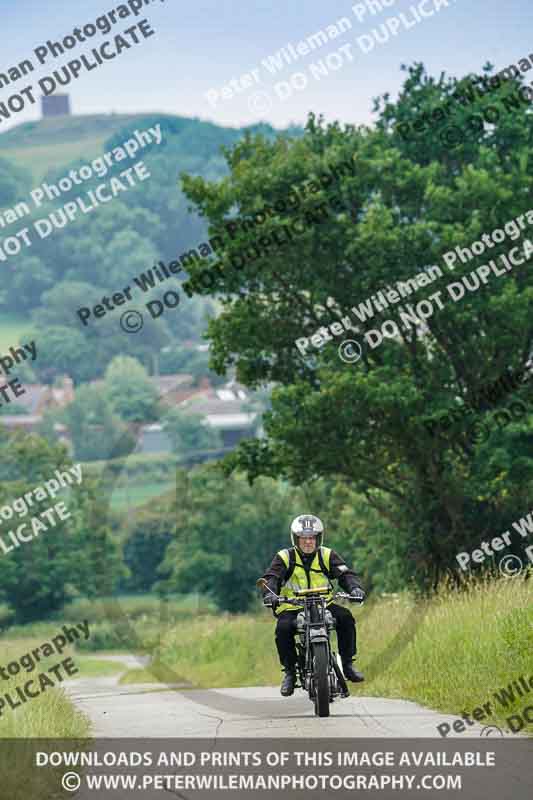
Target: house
(225,409)
(37,399)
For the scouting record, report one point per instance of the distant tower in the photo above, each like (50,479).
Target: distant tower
(56,105)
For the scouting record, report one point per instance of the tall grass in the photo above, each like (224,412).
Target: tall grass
(452,654)
(51,713)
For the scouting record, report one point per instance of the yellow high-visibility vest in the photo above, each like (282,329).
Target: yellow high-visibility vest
(299,580)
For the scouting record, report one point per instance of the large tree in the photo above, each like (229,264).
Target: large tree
(76,555)
(130,392)
(188,433)
(85,350)
(407,202)
(226,535)
(96,432)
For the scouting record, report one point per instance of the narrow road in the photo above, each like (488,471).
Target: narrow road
(258,718)
(159,710)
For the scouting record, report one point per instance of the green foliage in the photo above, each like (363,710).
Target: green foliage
(96,343)
(39,576)
(405,205)
(180,359)
(226,535)
(130,393)
(63,351)
(158,467)
(188,434)
(100,253)
(14,183)
(13,328)
(517,631)
(131,497)
(367,541)
(144,548)
(29,281)
(109,636)
(453,663)
(138,608)
(50,714)
(96,432)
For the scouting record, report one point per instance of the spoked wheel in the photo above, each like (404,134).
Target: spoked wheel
(320,679)
(343,688)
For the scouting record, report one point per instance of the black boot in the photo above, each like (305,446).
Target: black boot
(350,673)
(288,682)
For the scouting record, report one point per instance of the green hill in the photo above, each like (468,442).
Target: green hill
(48,144)
(97,252)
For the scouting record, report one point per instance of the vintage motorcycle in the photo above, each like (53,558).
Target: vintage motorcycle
(318,666)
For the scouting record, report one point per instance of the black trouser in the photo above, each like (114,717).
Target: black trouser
(286,631)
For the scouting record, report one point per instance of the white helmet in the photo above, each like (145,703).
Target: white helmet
(307,525)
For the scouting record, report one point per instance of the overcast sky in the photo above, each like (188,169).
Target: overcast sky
(200,46)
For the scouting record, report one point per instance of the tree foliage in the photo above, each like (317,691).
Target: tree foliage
(145,545)
(130,392)
(38,577)
(95,430)
(407,203)
(101,252)
(226,536)
(188,433)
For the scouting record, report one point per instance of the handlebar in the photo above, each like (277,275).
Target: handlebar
(297,601)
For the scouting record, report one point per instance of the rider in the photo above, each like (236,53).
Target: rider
(309,565)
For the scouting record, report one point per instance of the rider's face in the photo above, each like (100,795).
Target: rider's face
(307,544)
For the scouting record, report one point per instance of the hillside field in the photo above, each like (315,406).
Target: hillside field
(13,328)
(50,143)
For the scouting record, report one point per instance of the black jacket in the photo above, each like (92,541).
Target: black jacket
(347,578)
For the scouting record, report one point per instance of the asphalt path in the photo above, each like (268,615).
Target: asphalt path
(218,717)
(159,710)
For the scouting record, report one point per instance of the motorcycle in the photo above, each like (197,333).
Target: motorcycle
(317,666)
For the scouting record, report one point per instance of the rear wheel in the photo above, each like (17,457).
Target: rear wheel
(320,679)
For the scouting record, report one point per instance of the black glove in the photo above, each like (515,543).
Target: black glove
(358,595)
(270,602)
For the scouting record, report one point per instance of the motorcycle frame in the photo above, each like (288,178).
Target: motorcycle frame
(312,632)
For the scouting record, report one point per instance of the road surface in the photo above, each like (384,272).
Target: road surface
(157,710)
(217,721)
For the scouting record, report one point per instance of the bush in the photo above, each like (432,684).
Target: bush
(135,608)
(119,635)
(144,550)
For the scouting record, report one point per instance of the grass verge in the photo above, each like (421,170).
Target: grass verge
(51,713)
(467,646)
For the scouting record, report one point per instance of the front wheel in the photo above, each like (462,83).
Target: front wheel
(320,679)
